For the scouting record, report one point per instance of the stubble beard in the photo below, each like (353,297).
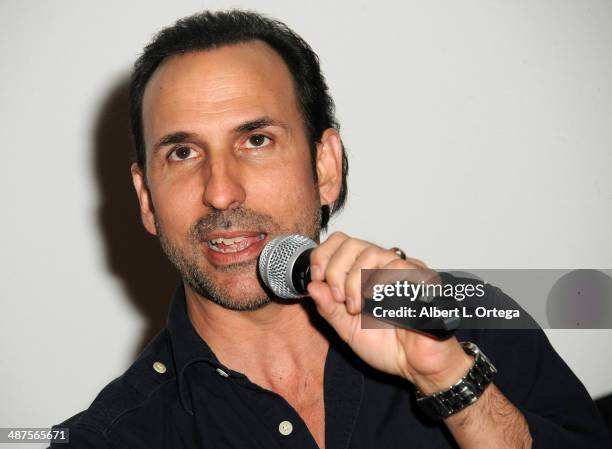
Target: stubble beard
(189,262)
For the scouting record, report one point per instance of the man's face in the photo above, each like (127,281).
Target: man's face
(228,167)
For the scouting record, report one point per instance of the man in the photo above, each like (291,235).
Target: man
(236,143)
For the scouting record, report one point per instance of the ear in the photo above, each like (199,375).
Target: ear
(144,198)
(329,166)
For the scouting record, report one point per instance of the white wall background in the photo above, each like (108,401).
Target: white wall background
(479,135)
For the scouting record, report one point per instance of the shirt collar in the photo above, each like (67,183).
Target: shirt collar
(343,383)
(187,346)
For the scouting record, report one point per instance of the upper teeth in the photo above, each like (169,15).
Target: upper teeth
(234,240)
(227,241)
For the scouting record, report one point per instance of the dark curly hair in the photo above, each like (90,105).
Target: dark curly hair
(209,30)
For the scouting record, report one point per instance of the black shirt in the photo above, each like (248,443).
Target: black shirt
(178,395)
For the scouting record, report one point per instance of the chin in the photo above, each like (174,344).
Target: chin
(238,290)
(241,303)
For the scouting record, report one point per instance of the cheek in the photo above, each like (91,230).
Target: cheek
(289,193)
(177,204)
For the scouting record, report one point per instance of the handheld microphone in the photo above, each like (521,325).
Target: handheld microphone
(284,267)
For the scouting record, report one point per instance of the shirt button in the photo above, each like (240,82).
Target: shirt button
(285,428)
(222,373)
(159,367)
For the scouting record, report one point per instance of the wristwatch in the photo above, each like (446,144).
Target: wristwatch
(463,393)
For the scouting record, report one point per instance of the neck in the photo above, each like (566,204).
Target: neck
(271,345)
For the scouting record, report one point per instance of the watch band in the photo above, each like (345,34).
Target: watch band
(463,393)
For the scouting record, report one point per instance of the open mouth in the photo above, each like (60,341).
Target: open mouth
(234,244)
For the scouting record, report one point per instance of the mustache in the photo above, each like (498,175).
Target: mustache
(239,218)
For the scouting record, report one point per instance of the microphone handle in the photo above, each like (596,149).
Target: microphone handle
(437,328)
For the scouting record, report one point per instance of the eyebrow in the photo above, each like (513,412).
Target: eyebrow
(259,123)
(172,138)
(251,125)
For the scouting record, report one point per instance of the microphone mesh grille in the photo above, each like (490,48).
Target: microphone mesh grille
(275,261)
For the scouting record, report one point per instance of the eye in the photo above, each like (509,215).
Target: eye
(257,141)
(181,154)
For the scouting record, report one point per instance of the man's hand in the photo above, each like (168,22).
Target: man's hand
(432,365)
(336,266)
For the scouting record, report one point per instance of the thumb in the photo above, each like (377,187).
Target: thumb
(335,313)
(322,296)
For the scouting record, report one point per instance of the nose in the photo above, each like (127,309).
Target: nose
(223,188)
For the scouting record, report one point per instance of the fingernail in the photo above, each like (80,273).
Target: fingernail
(315,273)
(337,294)
(349,304)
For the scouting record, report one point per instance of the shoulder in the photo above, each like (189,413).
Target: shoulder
(138,385)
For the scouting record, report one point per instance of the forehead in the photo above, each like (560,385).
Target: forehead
(217,89)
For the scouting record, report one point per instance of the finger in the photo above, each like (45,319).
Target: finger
(417,262)
(412,260)
(415,274)
(370,258)
(322,296)
(320,255)
(340,263)
(389,272)
(334,313)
